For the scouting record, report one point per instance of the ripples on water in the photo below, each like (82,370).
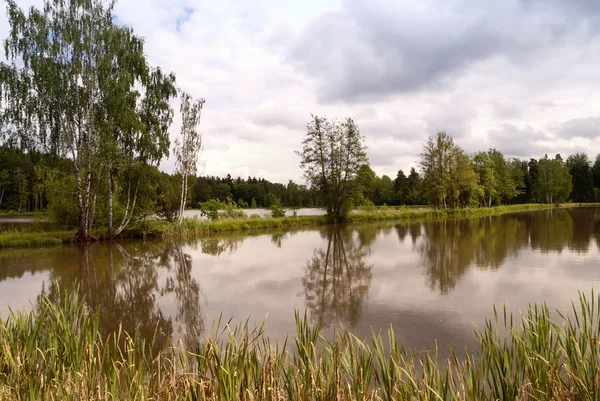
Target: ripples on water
(430,281)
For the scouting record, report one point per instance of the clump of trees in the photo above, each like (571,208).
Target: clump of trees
(453,179)
(332,155)
(78,89)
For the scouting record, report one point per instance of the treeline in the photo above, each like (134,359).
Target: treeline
(253,192)
(451,178)
(32,181)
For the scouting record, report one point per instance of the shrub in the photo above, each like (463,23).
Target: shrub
(276,209)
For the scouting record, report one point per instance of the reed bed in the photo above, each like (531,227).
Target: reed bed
(56,352)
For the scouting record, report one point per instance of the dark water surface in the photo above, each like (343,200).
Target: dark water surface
(430,281)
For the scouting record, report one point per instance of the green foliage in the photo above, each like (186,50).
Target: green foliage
(332,155)
(276,209)
(449,180)
(210,209)
(188,145)
(583,179)
(214,209)
(168,196)
(57,351)
(554,183)
(62,202)
(75,51)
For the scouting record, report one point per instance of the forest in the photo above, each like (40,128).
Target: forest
(85,122)
(32,181)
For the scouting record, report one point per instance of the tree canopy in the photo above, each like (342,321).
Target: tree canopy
(331,157)
(79,85)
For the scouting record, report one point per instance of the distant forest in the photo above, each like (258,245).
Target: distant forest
(32,181)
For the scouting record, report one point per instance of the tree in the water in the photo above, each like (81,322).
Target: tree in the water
(337,280)
(188,145)
(331,156)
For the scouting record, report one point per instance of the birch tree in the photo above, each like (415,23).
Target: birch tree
(70,88)
(188,145)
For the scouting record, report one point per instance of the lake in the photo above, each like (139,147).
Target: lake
(431,281)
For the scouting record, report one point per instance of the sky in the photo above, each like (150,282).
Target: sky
(522,76)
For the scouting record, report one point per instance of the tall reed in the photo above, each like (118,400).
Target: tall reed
(56,352)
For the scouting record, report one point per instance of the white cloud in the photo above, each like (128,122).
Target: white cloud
(519,75)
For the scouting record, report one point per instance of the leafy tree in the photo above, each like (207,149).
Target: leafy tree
(414,187)
(71,88)
(386,193)
(554,181)
(583,179)
(519,175)
(484,167)
(276,209)
(4,183)
(401,188)
(531,180)
(21,184)
(435,164)
(596,172)
(448,176)
(188,145)
(464,187)
(495,177)
(331,156)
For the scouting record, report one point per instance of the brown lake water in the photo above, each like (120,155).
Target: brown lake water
(431,281)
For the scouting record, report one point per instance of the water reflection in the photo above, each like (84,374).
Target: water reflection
(420,277)
(337,278)
(125,284)
(448,248)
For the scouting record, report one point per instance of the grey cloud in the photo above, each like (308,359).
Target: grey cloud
(278,117)
(503,110)
(385,47)
(588,127)
(454,117)
(382,157)
(514,141)
(393,128)
(588,8)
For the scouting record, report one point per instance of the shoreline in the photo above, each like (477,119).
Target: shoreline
(191,227)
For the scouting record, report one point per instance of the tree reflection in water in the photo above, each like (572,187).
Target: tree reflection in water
(450,247)
(337,279)
(122,283)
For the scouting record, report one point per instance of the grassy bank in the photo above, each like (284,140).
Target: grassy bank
(200,227)
(193,226)
(19,239)
(56,352)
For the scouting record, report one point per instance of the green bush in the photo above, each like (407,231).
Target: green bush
(214,209)
(277,210)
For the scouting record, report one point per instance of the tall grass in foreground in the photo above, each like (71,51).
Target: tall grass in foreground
(56,352)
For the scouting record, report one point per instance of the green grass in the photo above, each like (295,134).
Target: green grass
(20,239)
(196,227)
(56,352)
